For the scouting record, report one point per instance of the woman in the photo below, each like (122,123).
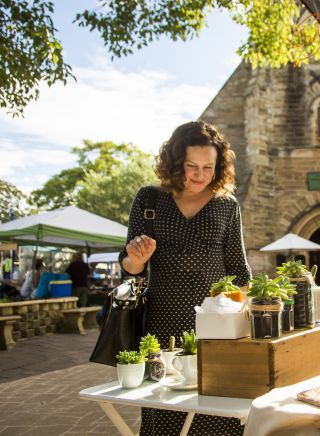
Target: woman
(197,241)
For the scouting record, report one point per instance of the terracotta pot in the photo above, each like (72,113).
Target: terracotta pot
(234,296)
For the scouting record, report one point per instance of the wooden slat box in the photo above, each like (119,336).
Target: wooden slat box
(248,368)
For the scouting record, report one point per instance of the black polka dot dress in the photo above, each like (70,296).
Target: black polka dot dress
(191,254)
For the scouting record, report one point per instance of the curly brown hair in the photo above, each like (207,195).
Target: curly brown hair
(169,162)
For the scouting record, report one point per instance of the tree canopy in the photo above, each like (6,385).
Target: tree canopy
(276,36)
(30,51)
(111,195)
(105,180)
(10,201)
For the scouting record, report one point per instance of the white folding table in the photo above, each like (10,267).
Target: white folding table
(154,395)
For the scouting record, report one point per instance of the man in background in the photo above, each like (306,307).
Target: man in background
(79,271)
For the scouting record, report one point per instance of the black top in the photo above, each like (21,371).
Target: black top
(191,254)
(78,272)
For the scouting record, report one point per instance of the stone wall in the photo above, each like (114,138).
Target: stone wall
(226,112)
(38,317)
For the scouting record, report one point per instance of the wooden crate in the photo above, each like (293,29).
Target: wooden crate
(248,368)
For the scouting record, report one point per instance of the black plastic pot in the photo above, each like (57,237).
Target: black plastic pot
(288,315)
(265,324)
(303,303)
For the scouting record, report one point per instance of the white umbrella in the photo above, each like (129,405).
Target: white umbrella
(291,242)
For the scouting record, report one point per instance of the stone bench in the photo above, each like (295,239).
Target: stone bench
(77,320)
(6,327)
(37,317)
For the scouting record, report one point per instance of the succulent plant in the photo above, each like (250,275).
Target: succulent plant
(293,269)
(189,342)
(130,357)
(287,286)
(264,288)
(149,344)
(224,285)
(172,342)
(314,270)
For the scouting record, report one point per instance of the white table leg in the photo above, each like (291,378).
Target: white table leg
(187,424)
(117,419)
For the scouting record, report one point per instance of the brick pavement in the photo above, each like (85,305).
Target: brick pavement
(39,383)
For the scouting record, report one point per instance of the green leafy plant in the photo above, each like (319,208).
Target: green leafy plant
(264,288)
(293,269)
(149,344)
(224,285)
(130,357)
(287,286)
(189,342)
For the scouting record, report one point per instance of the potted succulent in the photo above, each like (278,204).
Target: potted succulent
(298,274)
(288,304)
(169,353)
(226,287)
(130,368)
(185,362)
(155,366)
(266,306)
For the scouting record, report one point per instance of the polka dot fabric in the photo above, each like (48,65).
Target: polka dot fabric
(191,254)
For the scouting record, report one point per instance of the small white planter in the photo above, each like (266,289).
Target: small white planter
(130,376)
(186,365)
(168,357)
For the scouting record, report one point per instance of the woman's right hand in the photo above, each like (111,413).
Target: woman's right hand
(140,249)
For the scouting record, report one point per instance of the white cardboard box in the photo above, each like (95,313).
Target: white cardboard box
(222,326)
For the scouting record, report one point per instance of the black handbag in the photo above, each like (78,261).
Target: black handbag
(124,323)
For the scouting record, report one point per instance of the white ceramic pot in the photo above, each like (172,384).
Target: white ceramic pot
(130,376)
(186,366)
(168,357)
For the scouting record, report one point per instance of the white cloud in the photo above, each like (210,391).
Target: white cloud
(104,104)
(29,168)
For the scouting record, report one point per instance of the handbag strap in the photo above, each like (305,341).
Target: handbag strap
(149,213)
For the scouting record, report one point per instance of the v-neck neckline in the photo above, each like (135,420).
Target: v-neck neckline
(196,214)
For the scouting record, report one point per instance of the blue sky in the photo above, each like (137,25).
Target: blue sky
(138,99)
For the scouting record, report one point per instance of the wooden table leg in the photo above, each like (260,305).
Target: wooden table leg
(116,419)
(187,424)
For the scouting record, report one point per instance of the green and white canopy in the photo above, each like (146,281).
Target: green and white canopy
(66,227)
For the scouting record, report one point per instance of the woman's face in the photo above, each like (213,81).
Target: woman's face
(199,167)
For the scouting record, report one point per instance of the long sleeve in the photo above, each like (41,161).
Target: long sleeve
(136,226)
(235,255)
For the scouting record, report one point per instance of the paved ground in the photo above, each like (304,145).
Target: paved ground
(39,384)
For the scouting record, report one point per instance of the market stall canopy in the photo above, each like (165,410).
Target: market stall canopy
(66,227)
(291,241)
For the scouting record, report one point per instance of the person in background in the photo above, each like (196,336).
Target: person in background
(7,267)
(79,273)
(32,280)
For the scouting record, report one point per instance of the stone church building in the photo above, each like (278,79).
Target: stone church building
(271,117)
